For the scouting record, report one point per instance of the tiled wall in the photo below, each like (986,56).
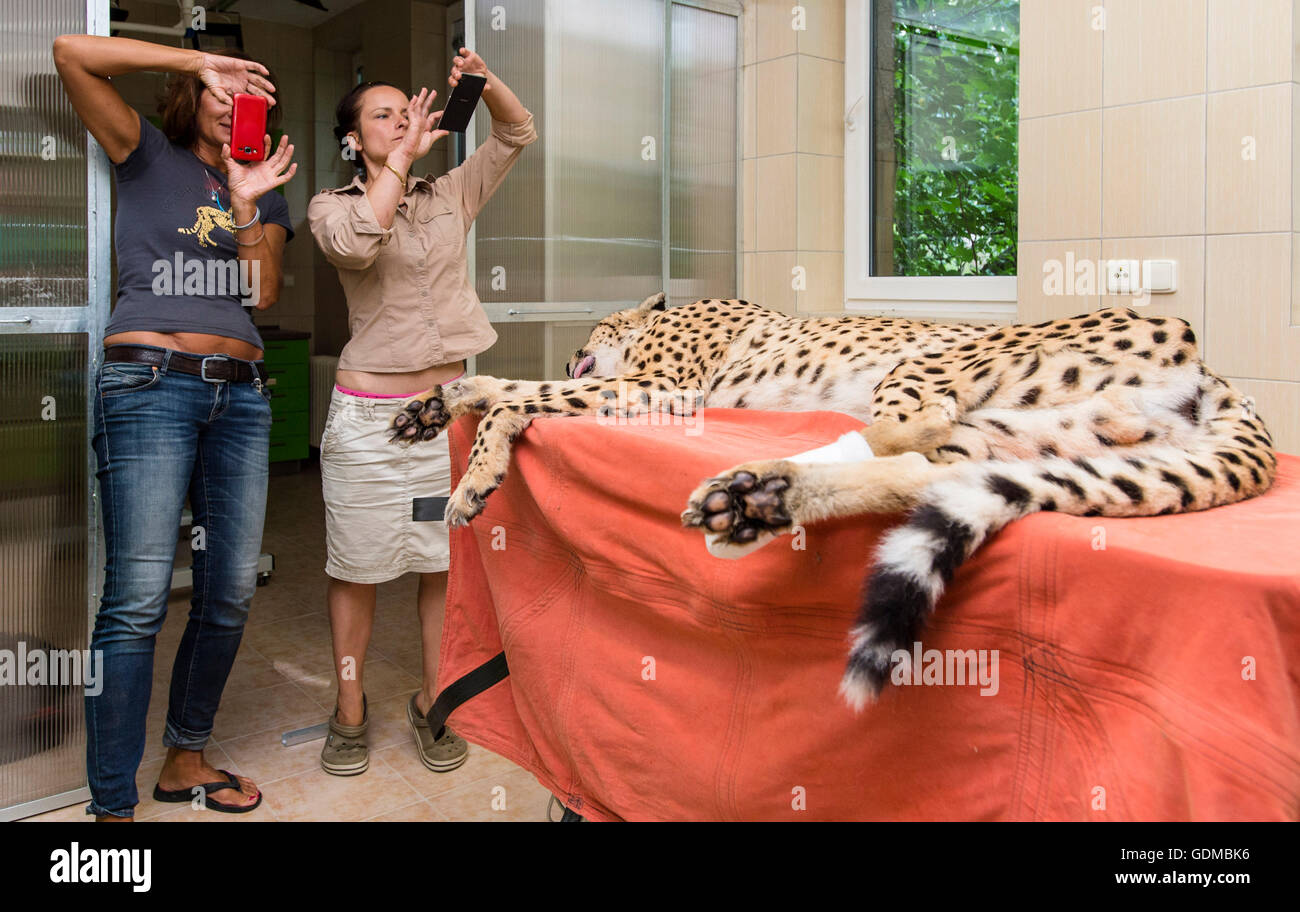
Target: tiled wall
(793,208)
(1163,128)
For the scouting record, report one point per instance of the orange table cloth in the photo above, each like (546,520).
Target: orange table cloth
(1148,669)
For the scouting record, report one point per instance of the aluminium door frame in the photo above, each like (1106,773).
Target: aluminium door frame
(90,320)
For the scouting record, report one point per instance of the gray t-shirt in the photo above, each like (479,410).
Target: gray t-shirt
(177,260)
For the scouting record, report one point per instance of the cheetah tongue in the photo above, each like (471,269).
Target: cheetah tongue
(584,365)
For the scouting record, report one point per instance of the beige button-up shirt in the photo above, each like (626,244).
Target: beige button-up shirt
(411,304)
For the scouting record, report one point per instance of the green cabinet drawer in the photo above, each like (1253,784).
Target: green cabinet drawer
(286,425)
(291,399)
(288,369)
(286,349)
(289,449)
(289,435)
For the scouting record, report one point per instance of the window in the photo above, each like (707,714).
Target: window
(931,156)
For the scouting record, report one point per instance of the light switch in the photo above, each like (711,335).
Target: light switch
(1160,276)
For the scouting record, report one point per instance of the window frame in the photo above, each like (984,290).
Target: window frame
(943,297)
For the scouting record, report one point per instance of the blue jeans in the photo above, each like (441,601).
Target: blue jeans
(158,436)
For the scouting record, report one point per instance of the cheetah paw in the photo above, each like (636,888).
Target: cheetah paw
(463,505)
(422,417)
(739,512)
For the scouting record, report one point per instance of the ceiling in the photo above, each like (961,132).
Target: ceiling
(288,12)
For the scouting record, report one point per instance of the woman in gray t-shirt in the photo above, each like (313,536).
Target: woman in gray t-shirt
(183,408)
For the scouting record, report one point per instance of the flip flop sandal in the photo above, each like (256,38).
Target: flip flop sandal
(345,752)
(442,755)
(178,796)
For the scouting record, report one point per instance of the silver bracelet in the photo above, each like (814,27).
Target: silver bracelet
(257,215)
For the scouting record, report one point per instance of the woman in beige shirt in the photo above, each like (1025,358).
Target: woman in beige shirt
(399,245)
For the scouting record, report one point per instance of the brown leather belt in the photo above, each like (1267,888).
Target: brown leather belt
(212,368)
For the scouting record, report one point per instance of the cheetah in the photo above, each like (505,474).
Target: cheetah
(206,220)
(968,428)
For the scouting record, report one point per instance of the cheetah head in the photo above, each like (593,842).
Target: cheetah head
(602,356)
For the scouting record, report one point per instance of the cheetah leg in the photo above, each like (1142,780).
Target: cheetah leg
(919,431)
(426,414)
(503,422)
(749,505)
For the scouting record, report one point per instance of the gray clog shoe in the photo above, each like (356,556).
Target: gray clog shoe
(345,752)
(442,755)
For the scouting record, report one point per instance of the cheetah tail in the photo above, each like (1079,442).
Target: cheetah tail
(916,560)
(957,514)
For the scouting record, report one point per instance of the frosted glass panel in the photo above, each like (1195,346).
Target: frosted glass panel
(511,228)
(42,162)
(703,162)
(580,216)
(606,138)
(43,559)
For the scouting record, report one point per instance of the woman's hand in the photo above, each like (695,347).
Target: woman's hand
(501,102)
(225,76)
(468,62)
(247,181)
(420,133)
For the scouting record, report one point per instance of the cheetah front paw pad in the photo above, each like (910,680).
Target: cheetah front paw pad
(421,418)
(739,512)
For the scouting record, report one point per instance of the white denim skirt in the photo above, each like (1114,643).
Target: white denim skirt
(369,485)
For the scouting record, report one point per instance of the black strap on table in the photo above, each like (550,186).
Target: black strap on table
(493,671)
(470,685)
(428,509)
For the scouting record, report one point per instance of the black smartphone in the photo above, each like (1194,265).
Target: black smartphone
(461,103)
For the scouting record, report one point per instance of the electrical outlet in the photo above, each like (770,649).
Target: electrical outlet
(1123,277)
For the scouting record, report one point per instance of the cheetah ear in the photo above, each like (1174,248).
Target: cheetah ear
(654,302)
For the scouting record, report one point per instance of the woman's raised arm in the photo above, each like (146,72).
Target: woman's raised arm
(87,63)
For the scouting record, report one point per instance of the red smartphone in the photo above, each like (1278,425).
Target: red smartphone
(248,128)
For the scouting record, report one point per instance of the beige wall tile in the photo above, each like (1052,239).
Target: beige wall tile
(749,276)
(1249,43)
(772,280)
(1188,302)
(1154,166)
(775,106)
(1278,403)
(824,277)
(775,36)
(1295,40)
(1295,158)
(1248,330)
(749,111)
(427,17)
(749,31)
(749,211)
(820,202)
(294,93)
(1060,177)
(1153,49)
(776,201)
(1053,279)
(824,35)
(294,44)
(1249,160)
(1060,57)
(821,106)
(1295,285)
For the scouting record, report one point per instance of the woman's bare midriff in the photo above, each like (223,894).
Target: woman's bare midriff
(198,343)
(399,384)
